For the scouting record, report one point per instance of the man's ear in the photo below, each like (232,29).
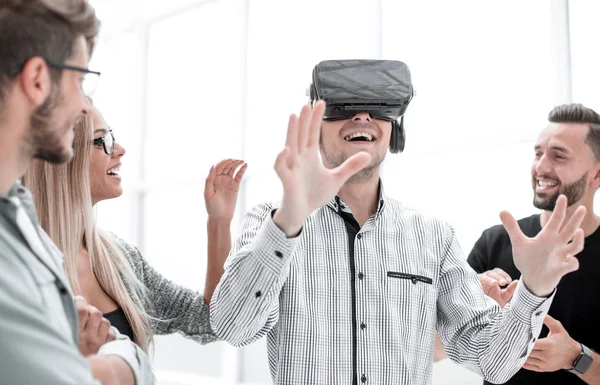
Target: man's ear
(596,179)
(35,80)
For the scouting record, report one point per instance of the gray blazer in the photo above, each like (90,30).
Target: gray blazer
(172,308)
(39,329)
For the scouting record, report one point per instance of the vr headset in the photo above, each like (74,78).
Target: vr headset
(382,88)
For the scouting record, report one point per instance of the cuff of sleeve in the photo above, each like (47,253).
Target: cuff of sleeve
(528,308)
(272,247)
(124,348)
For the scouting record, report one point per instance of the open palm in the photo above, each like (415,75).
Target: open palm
(546,258)
(222,187)
(307,183)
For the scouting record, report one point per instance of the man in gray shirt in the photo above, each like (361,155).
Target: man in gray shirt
(44,52)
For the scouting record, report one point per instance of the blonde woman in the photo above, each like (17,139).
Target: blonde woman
(108,272)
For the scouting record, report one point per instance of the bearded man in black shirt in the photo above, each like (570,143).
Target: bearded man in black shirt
(567,161)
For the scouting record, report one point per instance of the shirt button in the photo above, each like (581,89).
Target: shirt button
(61,288)
(538,313)
(363,325)
(359,236)
(363,378)
(258,294)
(414,280)
(361,276)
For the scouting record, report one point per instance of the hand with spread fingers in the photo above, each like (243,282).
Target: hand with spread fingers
(307,183)
(222,187)
(555,352)
(546,258)
(492,282)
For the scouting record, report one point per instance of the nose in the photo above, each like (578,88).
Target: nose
(542,165)
(119,150)
(362,116)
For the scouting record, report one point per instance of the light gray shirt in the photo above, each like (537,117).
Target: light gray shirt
(362,306)
(39,329)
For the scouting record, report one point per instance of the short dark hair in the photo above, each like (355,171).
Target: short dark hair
(45,28)
(578,113)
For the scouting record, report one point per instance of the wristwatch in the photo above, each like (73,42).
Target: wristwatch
(583,361)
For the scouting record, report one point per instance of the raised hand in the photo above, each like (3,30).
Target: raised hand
(492,280)
(307,184)
(94,329)
(222,187)
(545,259)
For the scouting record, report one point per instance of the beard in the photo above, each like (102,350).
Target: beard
(360,177)
(573,191)
(44,139)
(336,160)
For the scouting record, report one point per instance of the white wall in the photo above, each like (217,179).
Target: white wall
(186,83)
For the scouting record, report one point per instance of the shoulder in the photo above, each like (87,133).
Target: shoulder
(265,207)
(129,250)
(411,217)
(261,211)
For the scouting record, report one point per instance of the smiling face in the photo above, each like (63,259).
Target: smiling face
(564,164)
(105,181)
(341,139)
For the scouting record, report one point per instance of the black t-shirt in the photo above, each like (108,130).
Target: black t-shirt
(576,303)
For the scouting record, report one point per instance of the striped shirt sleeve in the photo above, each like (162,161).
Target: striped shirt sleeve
(245,305)
(489,343)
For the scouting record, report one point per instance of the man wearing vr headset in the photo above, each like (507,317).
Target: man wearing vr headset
(348,284)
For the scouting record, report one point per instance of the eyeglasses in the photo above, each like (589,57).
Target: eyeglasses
(107,141)
(90,79)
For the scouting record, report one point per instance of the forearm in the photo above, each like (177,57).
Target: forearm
(244,306)
(111,370)
(592,376)
(219,245)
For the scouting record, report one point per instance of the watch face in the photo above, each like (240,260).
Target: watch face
(584,363)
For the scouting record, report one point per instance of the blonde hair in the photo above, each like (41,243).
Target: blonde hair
(63,202)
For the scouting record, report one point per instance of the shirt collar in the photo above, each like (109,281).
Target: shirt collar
(337,204)
(19,196)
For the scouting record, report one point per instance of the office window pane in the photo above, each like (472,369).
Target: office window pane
(482,70)
(195,88)
(585,62)
(467,188)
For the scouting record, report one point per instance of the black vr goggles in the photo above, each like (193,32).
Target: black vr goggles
(382,88)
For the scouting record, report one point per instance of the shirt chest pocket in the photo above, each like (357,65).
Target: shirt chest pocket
(411,297)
